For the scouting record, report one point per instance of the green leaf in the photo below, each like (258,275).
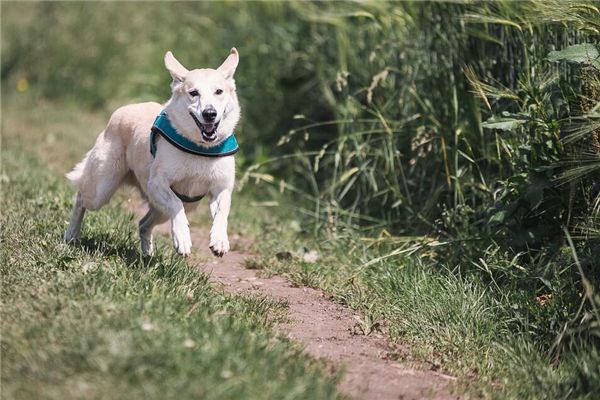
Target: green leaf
(506,124)
(499,217)
(487,19)
(585,53)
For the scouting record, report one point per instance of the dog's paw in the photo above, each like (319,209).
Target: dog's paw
(181,236)
(182,241)
(147,245)
(219,243)
(72,235)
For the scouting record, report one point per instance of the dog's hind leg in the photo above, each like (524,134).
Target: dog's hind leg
(74,230)
(152,218)
(96,177)
(102,171)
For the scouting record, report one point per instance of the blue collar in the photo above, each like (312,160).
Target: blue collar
(162,126)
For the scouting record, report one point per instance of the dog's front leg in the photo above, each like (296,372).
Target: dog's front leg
(163,198)
(220,204)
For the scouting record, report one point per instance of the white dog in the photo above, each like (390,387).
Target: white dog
(175,154)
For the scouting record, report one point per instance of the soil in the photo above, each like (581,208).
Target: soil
(327,330)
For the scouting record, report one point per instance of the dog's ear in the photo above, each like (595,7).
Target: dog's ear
(230,64)
(177,71)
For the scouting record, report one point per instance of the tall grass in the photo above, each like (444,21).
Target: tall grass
(470,133)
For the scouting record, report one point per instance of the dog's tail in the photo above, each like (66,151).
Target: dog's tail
(77,173)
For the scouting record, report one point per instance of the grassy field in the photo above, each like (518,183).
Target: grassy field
(441,158)
(93,321)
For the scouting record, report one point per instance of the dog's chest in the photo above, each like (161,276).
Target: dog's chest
(197,175)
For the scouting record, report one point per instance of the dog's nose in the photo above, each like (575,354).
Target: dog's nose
(209,114)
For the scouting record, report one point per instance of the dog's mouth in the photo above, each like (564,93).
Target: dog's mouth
(209,130)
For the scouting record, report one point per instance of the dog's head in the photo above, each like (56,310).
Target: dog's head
(204,105)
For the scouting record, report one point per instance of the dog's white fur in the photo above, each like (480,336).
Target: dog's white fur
(121,154)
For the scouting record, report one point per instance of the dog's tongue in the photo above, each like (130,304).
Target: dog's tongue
(209,132)
(209,128)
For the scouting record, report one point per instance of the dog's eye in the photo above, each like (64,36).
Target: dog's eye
(194,93)
(219,91)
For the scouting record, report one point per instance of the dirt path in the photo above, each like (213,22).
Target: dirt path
(326,329)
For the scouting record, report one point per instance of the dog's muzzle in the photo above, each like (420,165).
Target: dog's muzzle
(208,130)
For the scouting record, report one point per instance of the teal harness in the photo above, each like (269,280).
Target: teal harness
(162,126)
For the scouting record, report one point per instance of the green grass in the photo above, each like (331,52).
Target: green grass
(94,321)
